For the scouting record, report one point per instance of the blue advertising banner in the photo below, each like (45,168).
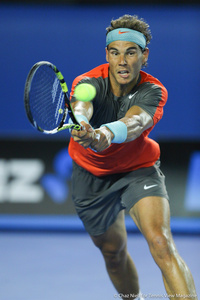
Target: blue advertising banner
(73,38)
(35,184)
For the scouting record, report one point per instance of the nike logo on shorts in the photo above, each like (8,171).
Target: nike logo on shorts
(146,187)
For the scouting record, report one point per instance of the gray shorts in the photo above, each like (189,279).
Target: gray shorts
(98,200)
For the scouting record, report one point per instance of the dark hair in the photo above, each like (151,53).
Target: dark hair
(131,22)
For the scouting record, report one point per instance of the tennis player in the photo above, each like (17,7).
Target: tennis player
(116,164)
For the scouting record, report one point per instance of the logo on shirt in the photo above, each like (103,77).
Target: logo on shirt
(146,187)
(131,96)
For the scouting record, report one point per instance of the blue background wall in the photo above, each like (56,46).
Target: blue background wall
(73,38)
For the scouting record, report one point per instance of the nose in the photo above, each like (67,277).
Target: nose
(122,60)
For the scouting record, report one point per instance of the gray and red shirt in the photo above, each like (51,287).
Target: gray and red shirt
(149,94)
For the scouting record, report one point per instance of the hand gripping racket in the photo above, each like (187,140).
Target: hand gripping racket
(46,99)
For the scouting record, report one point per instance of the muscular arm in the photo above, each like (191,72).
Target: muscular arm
(136,121)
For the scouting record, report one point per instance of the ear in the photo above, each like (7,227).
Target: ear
(145,55)
(106,54)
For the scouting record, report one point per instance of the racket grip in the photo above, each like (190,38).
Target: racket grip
(75,126)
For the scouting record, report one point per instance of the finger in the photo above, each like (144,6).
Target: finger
(86,140)
(96,145)
(85,144)
(79,133)
(87,126)
(97,137)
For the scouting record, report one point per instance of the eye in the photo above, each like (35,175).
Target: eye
(131,53)
(114,53)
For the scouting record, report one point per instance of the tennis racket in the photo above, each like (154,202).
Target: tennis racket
(46,99)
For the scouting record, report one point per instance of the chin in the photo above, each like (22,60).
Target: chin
(124,82)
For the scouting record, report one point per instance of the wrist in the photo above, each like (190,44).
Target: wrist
(108,133)
(118,130)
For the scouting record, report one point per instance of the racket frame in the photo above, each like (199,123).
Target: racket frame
(67,109)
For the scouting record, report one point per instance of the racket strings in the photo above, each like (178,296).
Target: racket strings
(46,98)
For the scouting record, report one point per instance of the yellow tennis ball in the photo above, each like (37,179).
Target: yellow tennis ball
(84,92)
(60,111)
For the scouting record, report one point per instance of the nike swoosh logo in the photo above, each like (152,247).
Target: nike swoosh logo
(146,187)
(121,32)
(131,96)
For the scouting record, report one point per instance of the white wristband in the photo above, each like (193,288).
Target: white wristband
(80,118)
(119,130)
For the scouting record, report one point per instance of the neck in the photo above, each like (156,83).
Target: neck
(120,90)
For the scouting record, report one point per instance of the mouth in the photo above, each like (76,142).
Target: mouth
(123,73)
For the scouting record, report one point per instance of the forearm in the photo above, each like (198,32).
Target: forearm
(130,127)
(83,108)
(135,126)
(83,113)
(124,130)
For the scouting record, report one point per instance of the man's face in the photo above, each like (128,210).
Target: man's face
(125,61)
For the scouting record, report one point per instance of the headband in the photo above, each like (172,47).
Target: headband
(128,35)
